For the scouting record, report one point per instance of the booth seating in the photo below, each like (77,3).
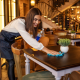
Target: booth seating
(42,75)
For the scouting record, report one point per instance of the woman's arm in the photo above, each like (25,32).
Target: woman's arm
(50,51)
(20,26)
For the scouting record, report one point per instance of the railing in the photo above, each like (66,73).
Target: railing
(58,3)
(47,9)
(55,15)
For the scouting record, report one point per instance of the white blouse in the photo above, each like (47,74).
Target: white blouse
(18,26)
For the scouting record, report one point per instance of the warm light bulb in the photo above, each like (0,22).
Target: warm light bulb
(45,16)
(49,18)
(56,23)
(78,12)
(53,21)
(77,6)
(72,9)
(32,2)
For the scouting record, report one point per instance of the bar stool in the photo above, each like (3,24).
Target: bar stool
(43,75)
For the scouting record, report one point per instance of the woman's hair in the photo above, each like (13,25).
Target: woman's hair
(29,20)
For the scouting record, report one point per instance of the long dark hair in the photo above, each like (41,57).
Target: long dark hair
(29,20)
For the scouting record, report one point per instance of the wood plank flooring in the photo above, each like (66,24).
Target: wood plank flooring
(4,69)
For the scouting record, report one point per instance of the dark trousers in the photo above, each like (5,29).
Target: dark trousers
(11,69)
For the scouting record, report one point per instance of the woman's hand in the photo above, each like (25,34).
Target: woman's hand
(50,51)
(53,52)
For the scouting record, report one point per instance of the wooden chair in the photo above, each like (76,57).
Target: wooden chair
(32,76)
(75,75)
(52,39)
(44,41)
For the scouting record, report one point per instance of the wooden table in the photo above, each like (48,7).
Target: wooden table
(78,33)
(58,66)
(75,38)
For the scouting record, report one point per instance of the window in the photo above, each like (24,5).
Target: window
(1,14)
(7,8)
(12,9)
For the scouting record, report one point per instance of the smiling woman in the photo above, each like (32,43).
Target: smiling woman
(22,26)
(37,20)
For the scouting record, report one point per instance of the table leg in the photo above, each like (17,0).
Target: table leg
(56,78)
(27,64)
(57,75)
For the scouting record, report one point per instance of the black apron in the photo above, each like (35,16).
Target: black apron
(6,40)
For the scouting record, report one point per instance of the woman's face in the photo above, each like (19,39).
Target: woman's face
(37,20)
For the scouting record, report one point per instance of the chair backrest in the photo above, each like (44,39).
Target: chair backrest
(16,49)
(43,40)
(17,52)
(52,39)
(75,75)
(26,45)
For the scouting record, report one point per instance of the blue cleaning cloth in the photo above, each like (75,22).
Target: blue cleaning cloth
(58,55)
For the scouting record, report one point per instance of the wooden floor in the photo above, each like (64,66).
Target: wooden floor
(5,75)
(4,69)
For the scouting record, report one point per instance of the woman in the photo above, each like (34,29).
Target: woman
(23,27)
